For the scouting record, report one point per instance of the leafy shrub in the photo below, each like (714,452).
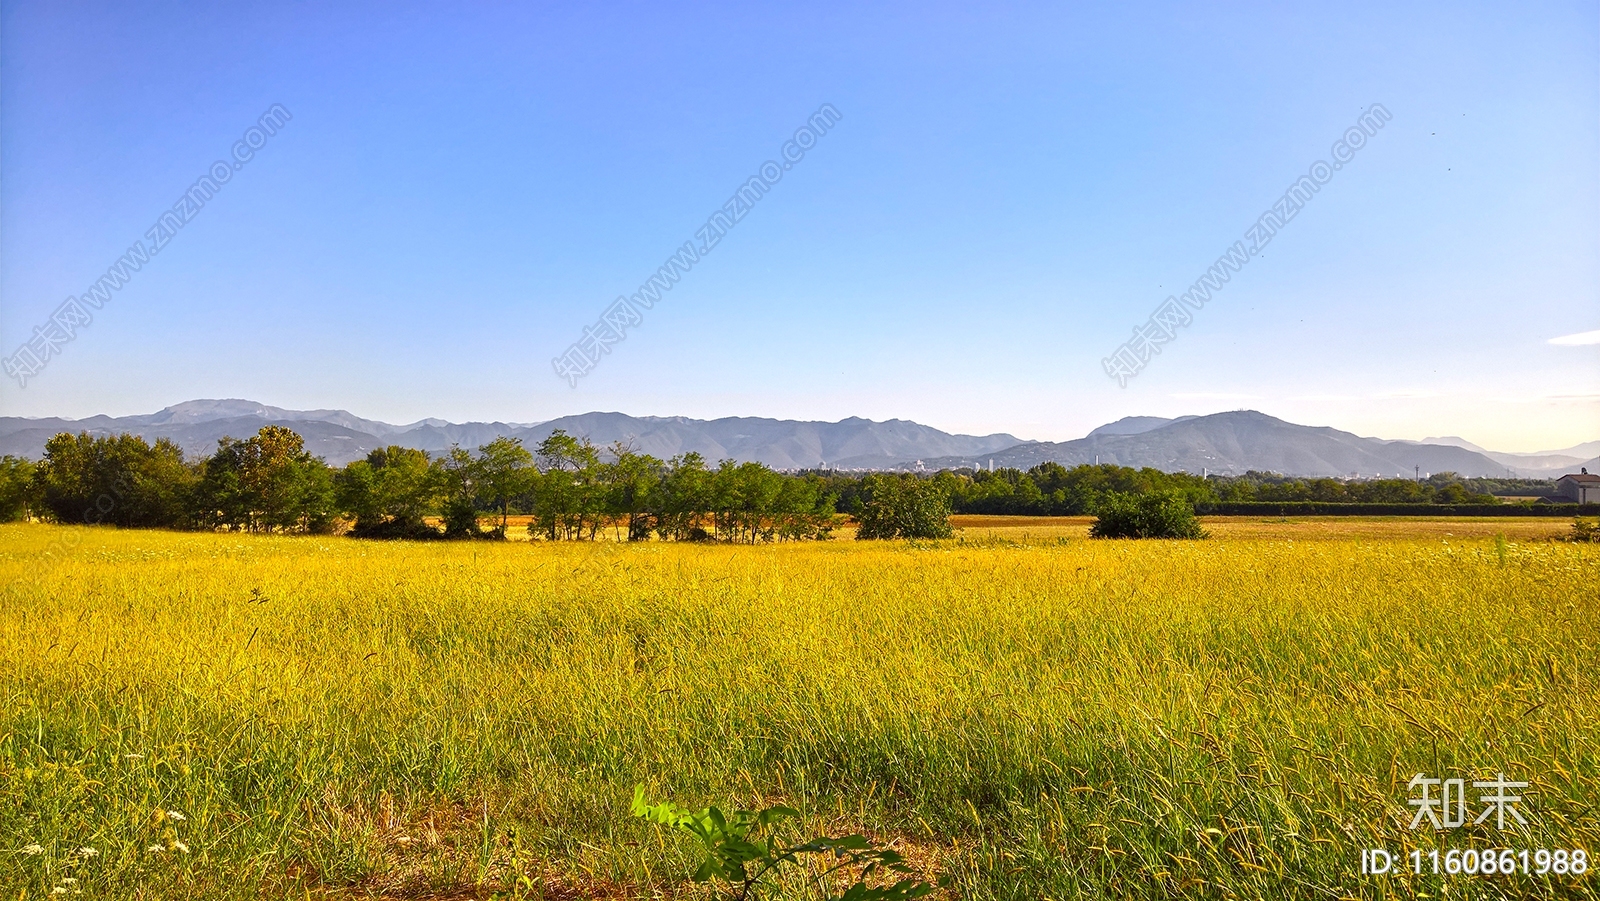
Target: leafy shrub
(461,520)
(1159,514)
(396,530)
(743,850)
(1584,530)
(903,507)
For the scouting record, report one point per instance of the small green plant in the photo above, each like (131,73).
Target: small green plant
(1156,514)
(743,850)
(1584,530)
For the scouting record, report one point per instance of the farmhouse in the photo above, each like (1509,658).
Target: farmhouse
(1583,487)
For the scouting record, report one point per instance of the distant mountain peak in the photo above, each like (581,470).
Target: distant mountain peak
(1135,425)
(1455,441)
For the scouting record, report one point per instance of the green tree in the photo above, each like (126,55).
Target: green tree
(267,483)
(804,510)
(503,473)
(631,478)
(902,506)
(458,476)
(118,480)
(683,499)
(569,500)
(391,493)
(744,496)
(16,488)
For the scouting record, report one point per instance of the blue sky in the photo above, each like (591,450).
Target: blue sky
(463,188)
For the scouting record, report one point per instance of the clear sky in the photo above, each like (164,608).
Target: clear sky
(463,187)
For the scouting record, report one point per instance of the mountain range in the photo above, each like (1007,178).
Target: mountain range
(1223,443)
(339,437)
(1235,442)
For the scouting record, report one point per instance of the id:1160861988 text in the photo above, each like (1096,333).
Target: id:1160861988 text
(1473,862)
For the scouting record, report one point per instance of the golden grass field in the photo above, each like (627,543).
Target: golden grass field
(1034,713)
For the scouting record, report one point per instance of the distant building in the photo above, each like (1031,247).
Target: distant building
(1583,487)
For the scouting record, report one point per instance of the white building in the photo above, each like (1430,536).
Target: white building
(1583,487)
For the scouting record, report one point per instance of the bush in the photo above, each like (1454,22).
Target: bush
(396,530)
(902,507)
(461,521)
(1158,514)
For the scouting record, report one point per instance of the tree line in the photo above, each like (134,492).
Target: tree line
(568,489)
(1051,489)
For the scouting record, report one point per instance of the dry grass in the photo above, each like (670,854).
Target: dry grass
(1038,717)
(1300,528)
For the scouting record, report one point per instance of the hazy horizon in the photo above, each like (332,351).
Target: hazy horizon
(1020,436)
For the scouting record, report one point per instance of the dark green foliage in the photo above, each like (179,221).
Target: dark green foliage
(1051,489)
(578,494)
(1159,514)
(1054,490)
(119,480)
(1510,487)
(1584,530)
(568,500)
(741,851)
(17,495)
(390,492)
(458,475)
(269,483)
(502,472)
(266,483)
(1438,488)
(745,497)
(804,510)
(573,491)
(682,499)
(630,479)
(903,506)
(1319,508)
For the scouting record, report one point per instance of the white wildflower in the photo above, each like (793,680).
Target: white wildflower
(68,880)
(59,890)
(180,846)
(155,849)
(87,852)
(176,815)
(32,850)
